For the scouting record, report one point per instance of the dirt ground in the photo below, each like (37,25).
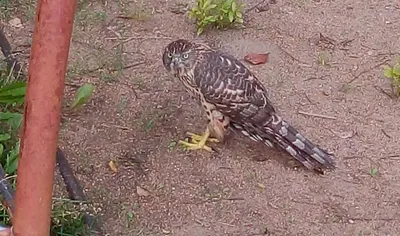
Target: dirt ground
(325,58)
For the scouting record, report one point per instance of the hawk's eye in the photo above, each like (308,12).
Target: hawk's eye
(185,56)
(169,55)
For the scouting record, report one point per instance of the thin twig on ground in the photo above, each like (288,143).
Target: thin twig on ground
(72,85)
(115,126)
(313,78)
(294,58)
(308,98)
(227,224)
(373,219)
(128,66)
(94,69)
(233,199)
(132,88)
(394,157)
(386,134)
(89,45)
(103,67)
(136,38)
(253,7)
(317,115)
(390,157)
(344,135)
(368,70)
(379,89)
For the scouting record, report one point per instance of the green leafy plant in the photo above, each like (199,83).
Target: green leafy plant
(373,171)
(393,73)
(82,95)
(12,96)
(67,216)
(218,13)
(13,93)
(11,99)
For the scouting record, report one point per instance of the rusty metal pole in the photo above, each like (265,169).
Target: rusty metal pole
(47,67)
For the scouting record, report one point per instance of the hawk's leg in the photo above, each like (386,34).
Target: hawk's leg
(197,138)
(214,127)
(198,141)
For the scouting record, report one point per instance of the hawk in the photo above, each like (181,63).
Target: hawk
(233,97)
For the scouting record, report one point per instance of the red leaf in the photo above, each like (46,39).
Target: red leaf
(256,58)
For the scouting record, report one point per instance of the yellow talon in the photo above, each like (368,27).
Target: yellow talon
(198,141)
(197,138)
(194,146)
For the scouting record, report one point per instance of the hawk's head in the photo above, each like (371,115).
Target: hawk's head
(179,56)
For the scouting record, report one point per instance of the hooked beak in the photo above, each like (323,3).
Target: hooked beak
(175,64)
(175,61)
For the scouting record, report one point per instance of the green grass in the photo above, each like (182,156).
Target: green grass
(67,218)
(23,9)
(86,16)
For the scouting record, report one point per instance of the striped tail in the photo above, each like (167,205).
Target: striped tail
(280,134)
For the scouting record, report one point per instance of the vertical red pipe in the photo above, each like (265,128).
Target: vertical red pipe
(48,62)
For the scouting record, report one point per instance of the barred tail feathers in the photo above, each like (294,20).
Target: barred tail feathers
(279,133)
(297,145)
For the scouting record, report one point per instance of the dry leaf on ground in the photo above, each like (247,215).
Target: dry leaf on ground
(142,192)
(344,135)
(256,58)
(112,166)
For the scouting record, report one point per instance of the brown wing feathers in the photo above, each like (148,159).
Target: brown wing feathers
(238,94)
